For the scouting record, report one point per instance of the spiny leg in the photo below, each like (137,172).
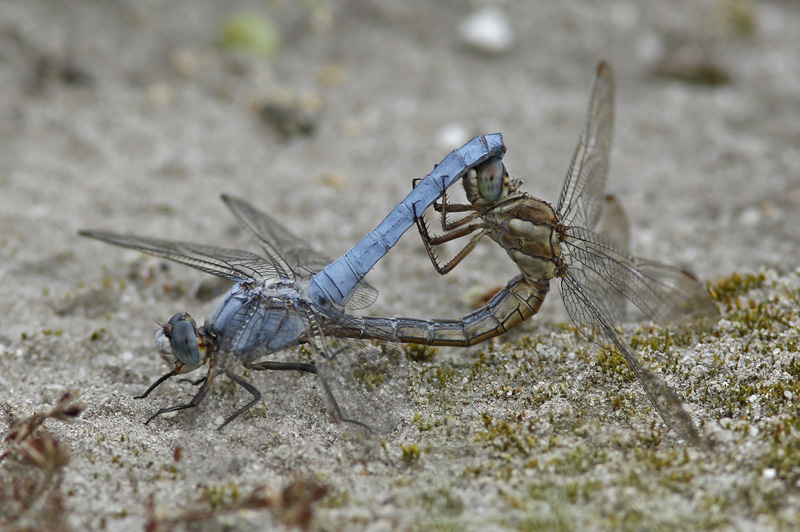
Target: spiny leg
(466,250)
(453,207)
(196,400)
(422,227)
(445,208)
(429,241)
(436,240)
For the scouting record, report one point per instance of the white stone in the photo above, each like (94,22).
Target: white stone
(488,31)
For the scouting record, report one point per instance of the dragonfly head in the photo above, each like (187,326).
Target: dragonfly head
(179,342)
(488,182)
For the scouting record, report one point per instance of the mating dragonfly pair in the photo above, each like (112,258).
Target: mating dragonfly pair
(294,295)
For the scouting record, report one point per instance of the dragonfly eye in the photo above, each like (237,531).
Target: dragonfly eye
(492,179)
(183,338)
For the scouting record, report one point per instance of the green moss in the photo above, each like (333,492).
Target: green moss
(582,492)
(761,317)
(660,339)
(503,436)
(527,343)
(613,364)
(479,368)
(411,453)
(740,16)
(226,389)
(424,425)
(784,452)
(622,402)
(578,460)
(557,523)
(421,353)
(218,495)
(257,411)
(442,502)
(444,376)
(727,289)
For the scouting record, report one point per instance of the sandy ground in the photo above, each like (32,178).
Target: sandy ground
(128,116)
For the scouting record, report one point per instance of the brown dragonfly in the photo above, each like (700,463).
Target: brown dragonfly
(560,243)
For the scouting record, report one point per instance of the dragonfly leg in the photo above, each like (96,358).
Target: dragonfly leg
(247,386)
(157,384)
(453,207)
(337,410)
(277,366)
(435,240)
(429,241)
(196,400)
(194,382)
(445,208)
(466,250)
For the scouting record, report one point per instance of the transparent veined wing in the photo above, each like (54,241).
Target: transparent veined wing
(365,383)
(293,254)
(233,264)
(582,194)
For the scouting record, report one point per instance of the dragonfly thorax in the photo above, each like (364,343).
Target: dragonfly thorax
(286,289)
(529,230)
(254,320)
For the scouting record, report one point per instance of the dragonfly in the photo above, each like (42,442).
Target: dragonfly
(295,295)
(561,243)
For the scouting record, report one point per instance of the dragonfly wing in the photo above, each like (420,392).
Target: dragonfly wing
(607,299)
(664,293)
(613,224)
(285,248)
(596,326)
(688,299)
(365,384)
(290,252)
(233,264)
(581,197)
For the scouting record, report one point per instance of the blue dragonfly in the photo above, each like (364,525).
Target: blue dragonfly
(294,295)
(596,274)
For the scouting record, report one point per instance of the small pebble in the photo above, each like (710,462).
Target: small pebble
(452,136)
(487,31)
(750,217)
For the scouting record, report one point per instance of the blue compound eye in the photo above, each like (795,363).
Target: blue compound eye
(180,316)
(184,341)
(492,179)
